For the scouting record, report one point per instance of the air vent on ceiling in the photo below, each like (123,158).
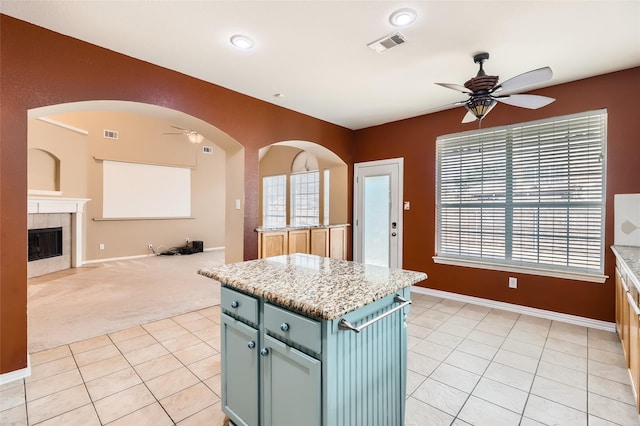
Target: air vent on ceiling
(207,149)
(387,42)
(110,134)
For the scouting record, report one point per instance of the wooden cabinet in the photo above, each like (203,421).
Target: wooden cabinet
(338,242)
(628,321)
(299,241)
(273,243)
(326,241)
(320,242)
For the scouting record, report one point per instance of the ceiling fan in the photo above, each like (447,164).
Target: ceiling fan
(192,135)
(484,90)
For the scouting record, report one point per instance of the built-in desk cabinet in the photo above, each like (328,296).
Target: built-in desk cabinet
(325,241)
(628,322)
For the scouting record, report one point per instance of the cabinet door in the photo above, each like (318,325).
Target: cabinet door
(634,347)
(299,241)
(320,242)
(338,243)
(273,244)
(240,386)
(620,300)
(291,387)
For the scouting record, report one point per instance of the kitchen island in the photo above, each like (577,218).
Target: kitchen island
(312,340)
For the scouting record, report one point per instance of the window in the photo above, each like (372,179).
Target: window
(274,201)
(305,198)
(526,196)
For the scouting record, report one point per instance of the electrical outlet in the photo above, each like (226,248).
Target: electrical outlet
(513,282)
(101,246)
(187,240)
(150,246)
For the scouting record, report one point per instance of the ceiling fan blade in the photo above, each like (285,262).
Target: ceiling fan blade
(455,87)
(526,79)
(469,117)
(525,101)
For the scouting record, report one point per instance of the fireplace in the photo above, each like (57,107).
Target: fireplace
(55,213)
(45,243)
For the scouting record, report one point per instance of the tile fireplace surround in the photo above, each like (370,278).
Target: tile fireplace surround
(45,212)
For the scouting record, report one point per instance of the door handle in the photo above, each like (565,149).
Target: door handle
(394,225)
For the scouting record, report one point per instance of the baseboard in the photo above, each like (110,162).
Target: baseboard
(12,376)
(526,310)
(139,256)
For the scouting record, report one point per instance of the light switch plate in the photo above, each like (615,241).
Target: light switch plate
(407,205)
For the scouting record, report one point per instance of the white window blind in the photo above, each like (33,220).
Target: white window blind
(274,201)
(305,198)
(531,194)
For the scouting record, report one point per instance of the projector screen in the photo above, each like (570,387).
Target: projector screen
(133,190)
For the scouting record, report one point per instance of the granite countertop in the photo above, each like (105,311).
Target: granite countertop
(293,228)
(317,286)
(631,257)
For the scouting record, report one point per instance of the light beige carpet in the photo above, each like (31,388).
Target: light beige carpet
(101,298)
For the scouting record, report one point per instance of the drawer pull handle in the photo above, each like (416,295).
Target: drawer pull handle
(264,351)
(235,304)
(284,327)
(251,344)
(346,325)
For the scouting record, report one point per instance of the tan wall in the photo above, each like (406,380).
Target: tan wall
(141,140)
(278,160)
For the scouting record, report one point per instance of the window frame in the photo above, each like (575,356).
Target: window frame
(506,263)
(266,222)
(296,203)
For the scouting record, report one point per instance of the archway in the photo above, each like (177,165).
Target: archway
(81,170)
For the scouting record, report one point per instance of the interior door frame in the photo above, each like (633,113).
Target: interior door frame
(358,205)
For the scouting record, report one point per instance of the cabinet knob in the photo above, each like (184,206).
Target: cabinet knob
(284,327)
(251,344)
(235,304)
(264,351)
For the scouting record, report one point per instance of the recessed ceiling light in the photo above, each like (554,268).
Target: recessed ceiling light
(241,42)
(402,17)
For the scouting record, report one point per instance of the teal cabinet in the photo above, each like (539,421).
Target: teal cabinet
(291,386)
(240,366)
(282,368)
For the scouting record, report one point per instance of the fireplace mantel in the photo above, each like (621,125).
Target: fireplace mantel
(74,206)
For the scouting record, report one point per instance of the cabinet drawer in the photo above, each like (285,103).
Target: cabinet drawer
(241,305)
(293,327)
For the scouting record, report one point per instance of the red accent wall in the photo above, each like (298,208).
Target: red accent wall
(414,139)
(41,68)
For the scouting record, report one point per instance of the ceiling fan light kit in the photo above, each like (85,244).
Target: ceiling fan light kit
(192,135)
(482,90)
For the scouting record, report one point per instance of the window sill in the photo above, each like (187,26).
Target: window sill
(578,276)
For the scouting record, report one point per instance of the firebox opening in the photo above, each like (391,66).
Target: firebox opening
(45,243)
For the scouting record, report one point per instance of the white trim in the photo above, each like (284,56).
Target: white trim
(63,125)
(113,259)
(519,309)
(12,376)
(44,192)
(578,276)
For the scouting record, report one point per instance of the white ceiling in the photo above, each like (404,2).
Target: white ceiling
(315,52)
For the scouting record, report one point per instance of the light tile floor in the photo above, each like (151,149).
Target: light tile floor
(468,365)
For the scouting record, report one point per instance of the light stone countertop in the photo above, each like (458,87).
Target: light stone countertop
(295,228)
(631,257)
(320,287)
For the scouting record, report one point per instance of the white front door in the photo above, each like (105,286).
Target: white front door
(377,231)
